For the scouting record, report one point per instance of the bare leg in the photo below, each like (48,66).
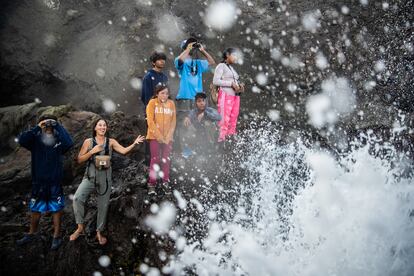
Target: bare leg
(34,222)
(78,232)
(101,238)
(56,223)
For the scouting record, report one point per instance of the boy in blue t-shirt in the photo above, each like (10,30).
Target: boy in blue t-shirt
(190,69)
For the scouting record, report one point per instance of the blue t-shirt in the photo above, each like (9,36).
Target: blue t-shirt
(190,84)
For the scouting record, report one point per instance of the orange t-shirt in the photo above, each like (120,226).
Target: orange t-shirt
(161,119)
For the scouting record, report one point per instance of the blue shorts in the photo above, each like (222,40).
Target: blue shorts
(42,206)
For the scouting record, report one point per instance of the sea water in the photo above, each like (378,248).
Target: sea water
(303,210)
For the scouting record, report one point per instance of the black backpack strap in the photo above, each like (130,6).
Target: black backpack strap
(106,146)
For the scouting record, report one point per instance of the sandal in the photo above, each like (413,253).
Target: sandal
(76,235)
(101,239)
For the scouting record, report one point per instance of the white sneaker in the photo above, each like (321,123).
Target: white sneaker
(151,190)
(166,188)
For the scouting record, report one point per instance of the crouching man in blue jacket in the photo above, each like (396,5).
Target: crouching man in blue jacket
(201,123)
(47,142)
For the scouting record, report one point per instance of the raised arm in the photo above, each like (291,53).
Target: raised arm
(210,59)
(184,54)
(27,138)
(218,74)
(124,150)
(64,138)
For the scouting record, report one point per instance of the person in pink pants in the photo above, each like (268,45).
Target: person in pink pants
(228,104)
(161,119)
(160,156)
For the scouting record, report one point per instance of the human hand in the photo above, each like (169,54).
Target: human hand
(187,122)
(139,139)
(47,123)
(190,45)
(41,124)
(97,148)
(235,86)
(200,116)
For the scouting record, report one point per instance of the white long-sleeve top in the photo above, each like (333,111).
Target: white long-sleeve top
(224,76)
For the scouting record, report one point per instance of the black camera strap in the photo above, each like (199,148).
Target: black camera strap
(232,72)
(92,161)
(234,77)
(193,66)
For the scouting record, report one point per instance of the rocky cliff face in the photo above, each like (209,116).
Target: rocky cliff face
(131,243)
(84,52)
(127,208)
(87,52)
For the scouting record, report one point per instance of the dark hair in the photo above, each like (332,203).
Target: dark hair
(227,52)
(94,125)
(200,95)
(158,88)
(157,56)
(185,43)
(47,117)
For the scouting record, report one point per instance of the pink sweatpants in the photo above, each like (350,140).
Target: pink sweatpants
(160,162)
(228,106)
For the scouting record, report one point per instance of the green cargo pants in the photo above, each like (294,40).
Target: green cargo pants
(82,193)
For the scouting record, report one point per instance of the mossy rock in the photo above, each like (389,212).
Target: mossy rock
(57,111)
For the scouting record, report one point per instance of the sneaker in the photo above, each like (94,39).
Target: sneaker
(56,242)
(27,238)
(151,190)
(166,188)
(186,152)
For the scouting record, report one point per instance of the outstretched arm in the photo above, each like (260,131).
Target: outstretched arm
(124,150)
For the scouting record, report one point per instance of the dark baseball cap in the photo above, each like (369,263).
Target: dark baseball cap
(185,43)
(47,117)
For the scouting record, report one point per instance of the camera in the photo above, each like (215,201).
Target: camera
(197,45)
(50,123)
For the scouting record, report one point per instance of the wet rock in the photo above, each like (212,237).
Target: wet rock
(12,120)
(127,205)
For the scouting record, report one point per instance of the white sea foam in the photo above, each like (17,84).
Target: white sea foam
(304,211)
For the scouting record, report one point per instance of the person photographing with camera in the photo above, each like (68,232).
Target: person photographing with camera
(47,142)
(230,89)
(97,152)
(190,69)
